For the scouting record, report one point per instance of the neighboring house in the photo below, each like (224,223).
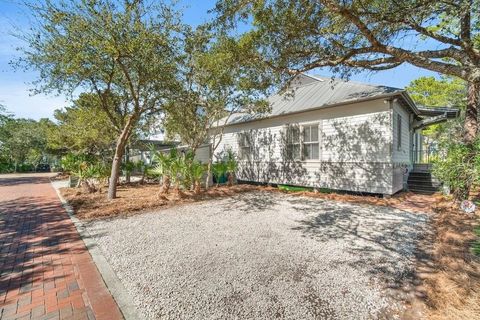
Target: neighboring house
(330,134)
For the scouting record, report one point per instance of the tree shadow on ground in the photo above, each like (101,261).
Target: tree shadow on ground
(382,241)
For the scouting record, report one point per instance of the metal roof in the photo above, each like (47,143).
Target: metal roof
(325,92)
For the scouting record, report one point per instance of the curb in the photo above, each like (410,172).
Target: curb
(114,285)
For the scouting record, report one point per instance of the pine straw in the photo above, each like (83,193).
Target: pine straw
(448,285)
(136,198)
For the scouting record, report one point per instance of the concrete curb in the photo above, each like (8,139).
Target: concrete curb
(114,285)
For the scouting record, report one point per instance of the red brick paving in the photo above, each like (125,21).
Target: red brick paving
(46,271)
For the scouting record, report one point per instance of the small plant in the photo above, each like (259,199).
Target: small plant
(197,171)
(165,168)
(231,166)
(143,168)
(219,170)
(127,168)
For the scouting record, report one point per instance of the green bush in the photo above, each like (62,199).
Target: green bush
(179,168)
(458,166)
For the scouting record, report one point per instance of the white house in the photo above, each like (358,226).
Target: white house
(331,134)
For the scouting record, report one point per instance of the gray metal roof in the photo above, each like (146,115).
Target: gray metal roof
(325,92)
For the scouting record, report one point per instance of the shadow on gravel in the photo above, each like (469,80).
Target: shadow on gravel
(254,202)
(384,242)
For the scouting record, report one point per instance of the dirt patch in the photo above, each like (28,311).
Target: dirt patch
(136,198)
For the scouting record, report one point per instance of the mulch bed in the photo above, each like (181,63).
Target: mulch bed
(136,198)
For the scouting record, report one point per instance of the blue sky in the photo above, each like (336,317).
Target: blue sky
(15,86)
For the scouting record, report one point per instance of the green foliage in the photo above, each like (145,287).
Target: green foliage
(219,170)
(125,53)
(90,171)
(231,162)
(83,128)
(458,165)
(23,143)
(349,36)
(289,188)
(443,92)
(128,167)
(218,80)
(476,243)
(178,167)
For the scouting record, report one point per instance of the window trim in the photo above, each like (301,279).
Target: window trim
(317,142)
(290,143)
(244,137)
(399,132)
(302,143)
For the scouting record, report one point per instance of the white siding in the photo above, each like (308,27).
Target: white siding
(203,154)
(355,149)
(402,154)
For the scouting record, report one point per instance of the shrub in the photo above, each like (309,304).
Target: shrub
(219,170)
(458,166)
(231,166)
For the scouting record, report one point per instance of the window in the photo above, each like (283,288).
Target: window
(293,142)
(244,144)
(310,142)
(399,132)
(302,142)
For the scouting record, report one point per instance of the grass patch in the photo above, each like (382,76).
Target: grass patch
(288,188)
(476,243)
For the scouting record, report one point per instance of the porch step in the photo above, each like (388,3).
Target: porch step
(423,182)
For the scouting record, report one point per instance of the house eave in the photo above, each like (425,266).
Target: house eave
(343,103)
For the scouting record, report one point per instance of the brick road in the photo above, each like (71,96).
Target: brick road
(45,270)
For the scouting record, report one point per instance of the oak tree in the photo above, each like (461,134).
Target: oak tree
(123,49)
(299,35)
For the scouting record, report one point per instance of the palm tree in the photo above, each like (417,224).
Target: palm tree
(219,169)
(197,171)
(164,168)
(231,166)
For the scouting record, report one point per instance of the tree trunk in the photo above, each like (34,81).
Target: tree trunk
(117,159)
(127,159)
(209,173)
(198,187)
(165,185)
(470,128)
(230,179)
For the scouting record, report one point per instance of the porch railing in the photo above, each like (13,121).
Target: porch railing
(425,156)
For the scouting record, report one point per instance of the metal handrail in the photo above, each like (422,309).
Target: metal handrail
(424,156)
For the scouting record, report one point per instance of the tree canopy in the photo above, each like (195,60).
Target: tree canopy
(217,81)
(296,36)
(124,52)
(23,141)
(83,128)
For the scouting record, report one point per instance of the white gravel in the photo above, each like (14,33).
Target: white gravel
(263,256)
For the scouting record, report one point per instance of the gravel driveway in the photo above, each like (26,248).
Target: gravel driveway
(264,255)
